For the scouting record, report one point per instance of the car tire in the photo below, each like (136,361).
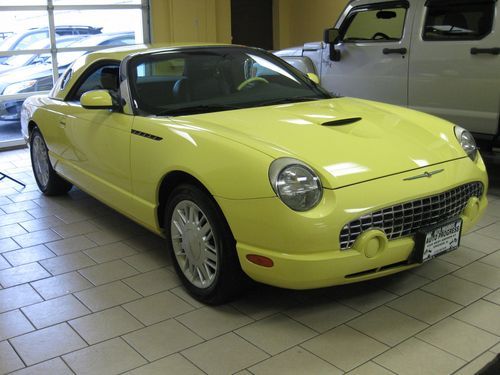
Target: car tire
(48,181)
(202,246)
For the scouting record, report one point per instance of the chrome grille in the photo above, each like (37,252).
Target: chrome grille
(407,218)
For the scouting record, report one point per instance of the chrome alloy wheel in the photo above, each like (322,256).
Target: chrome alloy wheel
(40,160)
(194,244)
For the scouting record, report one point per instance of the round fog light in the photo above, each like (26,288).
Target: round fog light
(472,208)
(371,243)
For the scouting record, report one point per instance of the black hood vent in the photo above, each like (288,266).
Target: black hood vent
(343,121)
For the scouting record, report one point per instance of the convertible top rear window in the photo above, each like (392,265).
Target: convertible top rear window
(212,79)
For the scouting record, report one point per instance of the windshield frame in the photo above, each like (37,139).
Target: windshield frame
(135,60)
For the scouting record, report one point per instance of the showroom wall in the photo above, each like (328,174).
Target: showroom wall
(295,21)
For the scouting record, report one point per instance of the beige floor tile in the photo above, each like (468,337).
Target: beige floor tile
(276,333)
(8,244)
(109,357)
(55,311)
(434,269)
(370,368)
(75,229)
(14,218)
(483,274)
(107,272)
(496,349)
(70,245)
(148,261)
(473,368)
(104,237)
(492,259)
(345,347)
(53,367)
(11,230)
(415,357)
(40,345)
(41,223)
(105,296)
(105,325)
(36,238)
(492,231)
(3,263)
(157,341)
(147,242)
(366,300)
(424,306)
(22,274)
(171,365)
(180,291)
(323,315)
(110,252)
(238,354)
(457,290)
(494,297)
(13,323)
(28,255)
(402,283)
(17,207)
(486,220)
(153,282)
(18,296)
(482,314)
(60,285)
(209,322)
(67,263)
(462,256)
(9,361)
(295,361)
(158,307)
(480,243)
(461,339)
(387,325)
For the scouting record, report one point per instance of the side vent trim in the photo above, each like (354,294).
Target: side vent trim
(146,135)
(343,121)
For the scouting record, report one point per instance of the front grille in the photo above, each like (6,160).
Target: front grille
(407,218)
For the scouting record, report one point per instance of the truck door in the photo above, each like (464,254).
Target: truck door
(455,63)
(372,53)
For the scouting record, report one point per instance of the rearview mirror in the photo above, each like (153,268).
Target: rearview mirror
(331,36)
(97,99)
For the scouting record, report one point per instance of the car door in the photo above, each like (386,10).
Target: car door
(99,141)
(455,63)
(372,53)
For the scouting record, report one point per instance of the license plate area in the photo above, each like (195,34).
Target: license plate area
(437,240)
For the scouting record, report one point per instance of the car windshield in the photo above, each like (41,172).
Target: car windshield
(213,79)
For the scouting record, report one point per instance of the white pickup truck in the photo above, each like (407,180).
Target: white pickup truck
(437,56)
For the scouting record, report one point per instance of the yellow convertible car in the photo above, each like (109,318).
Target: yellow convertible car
(251,169)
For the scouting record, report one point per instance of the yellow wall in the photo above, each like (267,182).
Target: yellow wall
(295,21)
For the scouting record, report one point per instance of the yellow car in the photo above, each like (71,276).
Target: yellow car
(250,168)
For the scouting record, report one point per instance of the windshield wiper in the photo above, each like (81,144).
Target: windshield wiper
(205,108)
(295,99)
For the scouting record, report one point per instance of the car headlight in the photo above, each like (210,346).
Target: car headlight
(295,183)
(18,87)
(467,141)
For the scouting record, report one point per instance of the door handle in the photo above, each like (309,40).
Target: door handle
(62,124)
(489,51)
(388,51)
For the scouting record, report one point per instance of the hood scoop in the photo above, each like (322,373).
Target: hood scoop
(343,121)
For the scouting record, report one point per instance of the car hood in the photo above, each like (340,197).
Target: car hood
(345,140)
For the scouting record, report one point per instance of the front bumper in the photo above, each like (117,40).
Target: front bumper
(305,247)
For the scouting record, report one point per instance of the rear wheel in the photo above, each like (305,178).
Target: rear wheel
(202,246)
(48,181)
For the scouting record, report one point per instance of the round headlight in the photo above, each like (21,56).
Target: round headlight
(296,184)
(467,141)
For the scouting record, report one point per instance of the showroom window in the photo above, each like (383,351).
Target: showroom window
(39,39)
(458,20)
(378,25)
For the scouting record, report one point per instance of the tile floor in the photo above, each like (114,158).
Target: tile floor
(84,290)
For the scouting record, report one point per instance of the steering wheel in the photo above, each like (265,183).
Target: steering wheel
(248,81)
(381,35)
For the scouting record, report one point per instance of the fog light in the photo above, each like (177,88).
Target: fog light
(371,243)
(472,208)
(260,260)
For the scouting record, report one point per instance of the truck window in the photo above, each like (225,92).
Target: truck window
(375,25)
(458,20)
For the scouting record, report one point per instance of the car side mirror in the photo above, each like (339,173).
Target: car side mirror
(331,37)
(313,77)
(97,99)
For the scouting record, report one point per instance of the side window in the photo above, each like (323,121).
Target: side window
(105,77)
(30,39)
(376,24)
(464,20)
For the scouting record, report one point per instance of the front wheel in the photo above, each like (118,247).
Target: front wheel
(48,181)
(202,246)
